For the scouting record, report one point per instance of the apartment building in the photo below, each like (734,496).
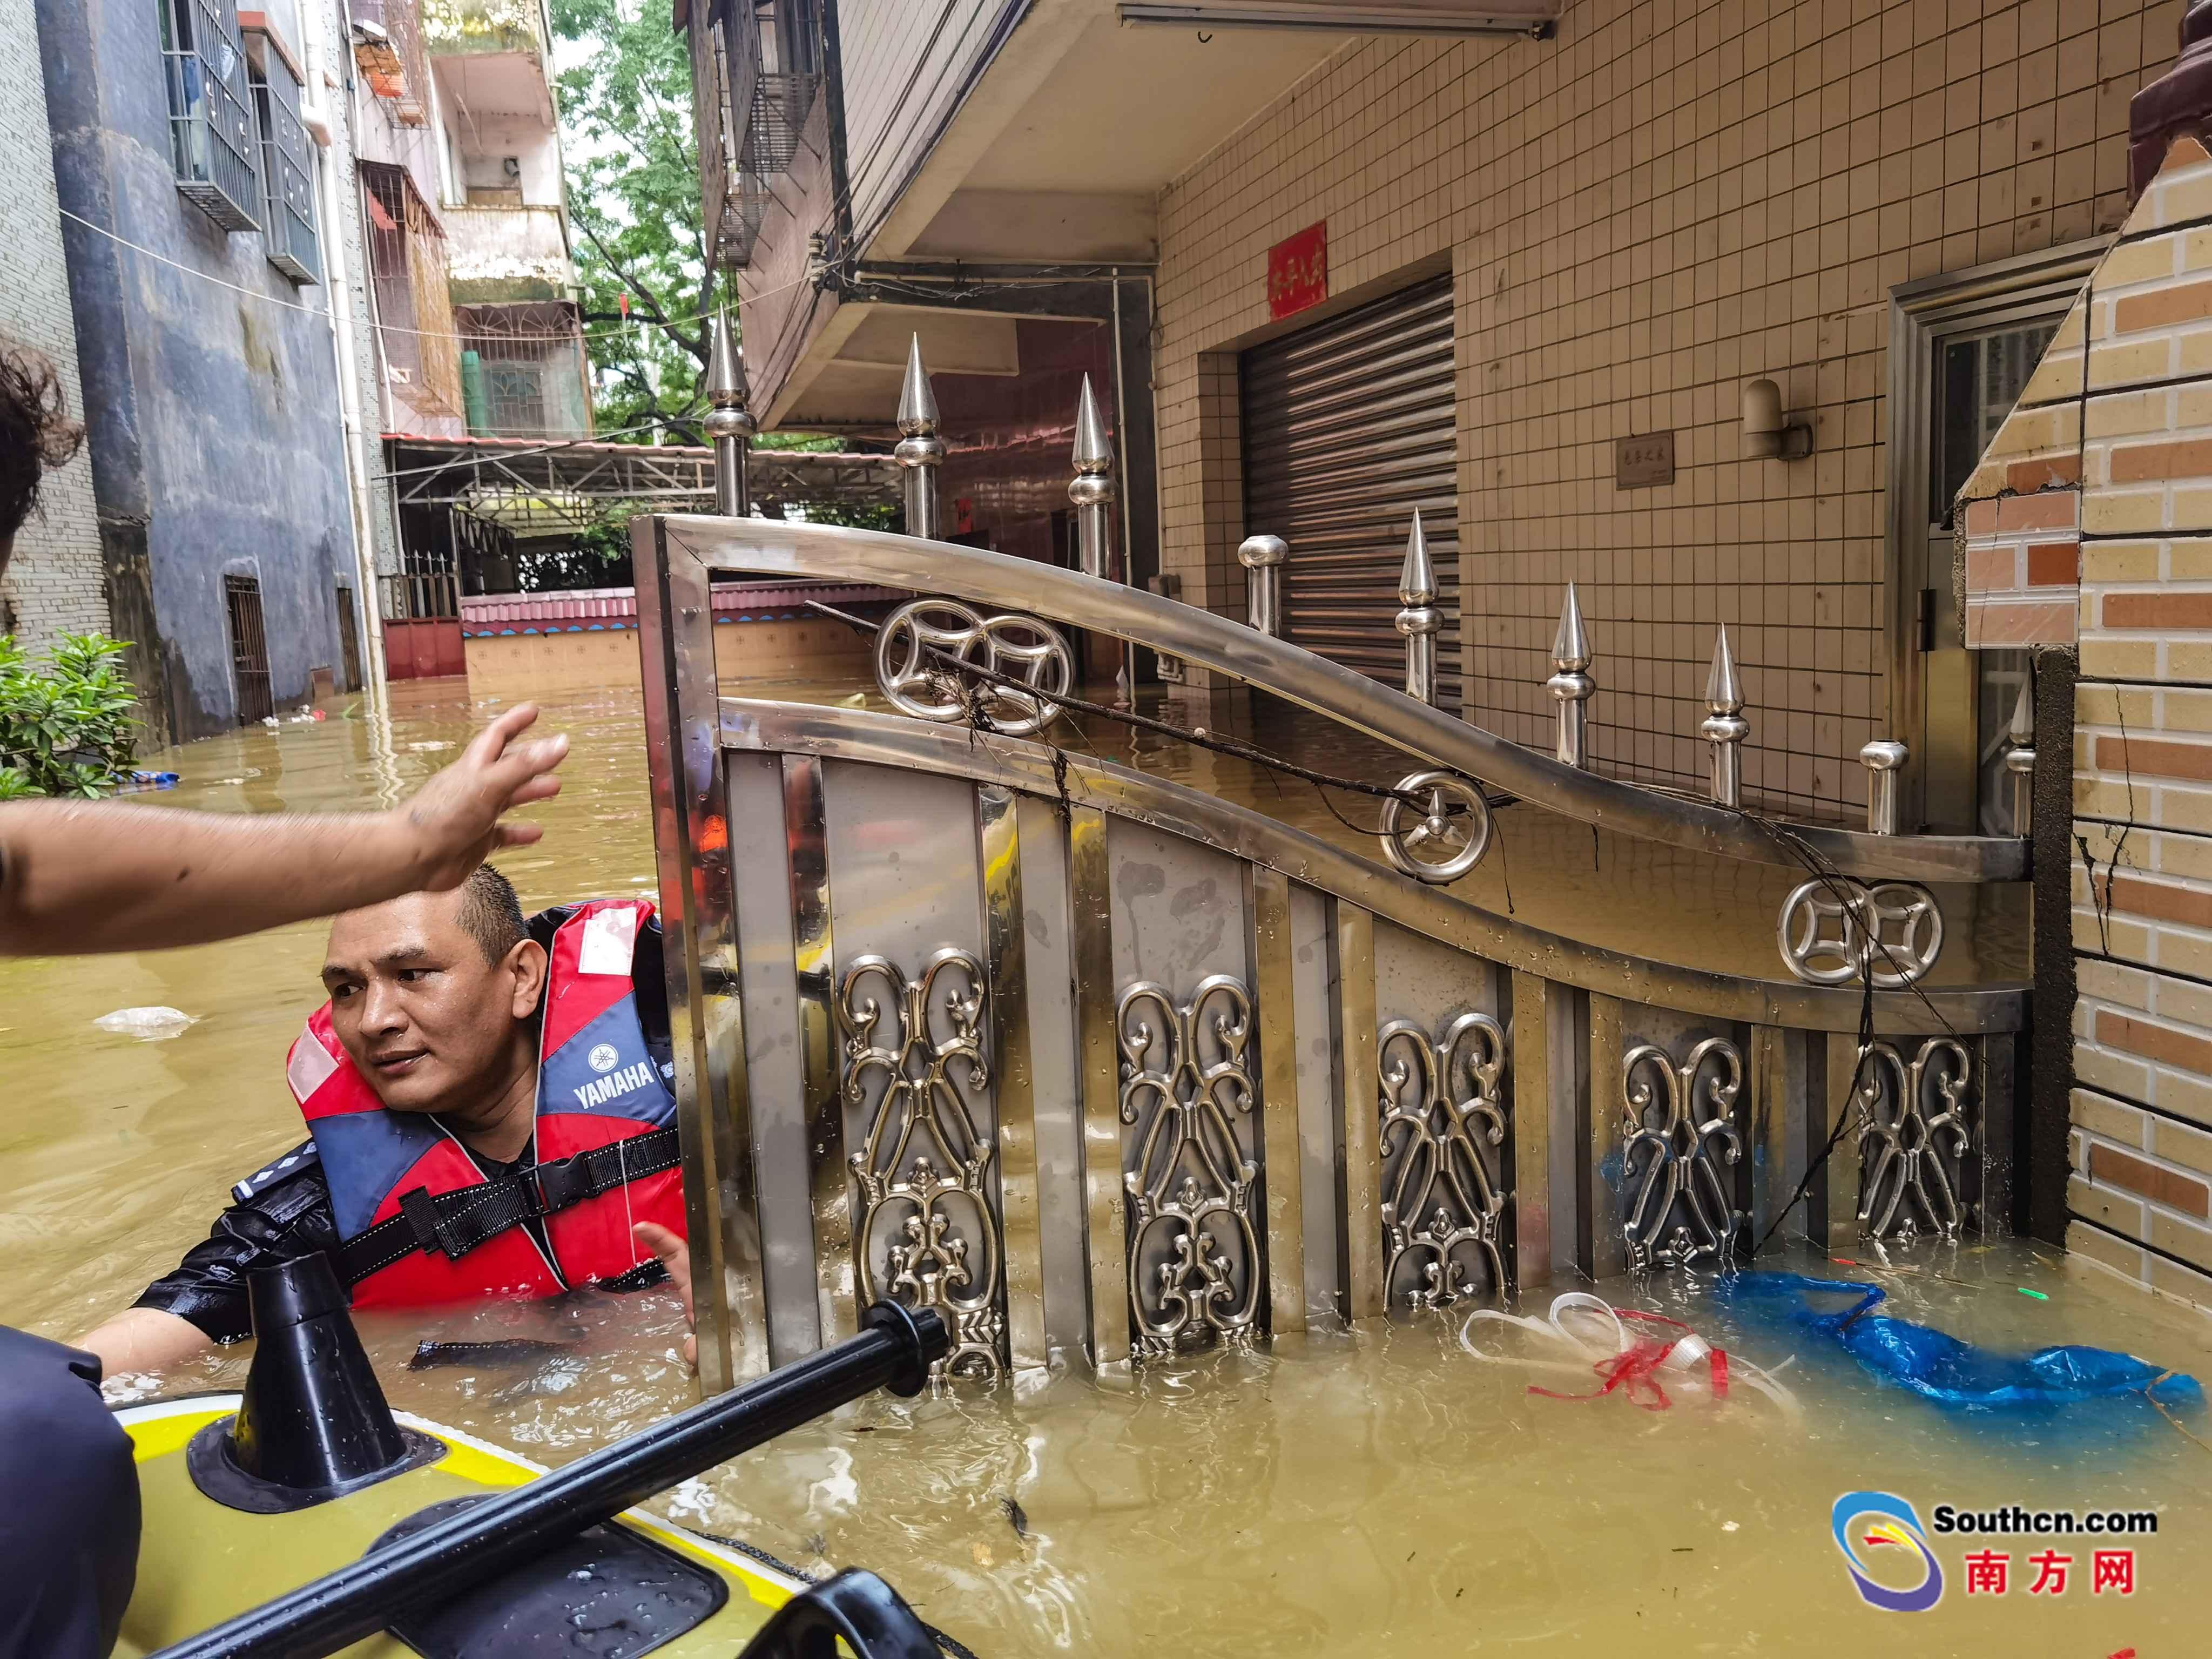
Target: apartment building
(189,156)
(471,319)
(1516,264)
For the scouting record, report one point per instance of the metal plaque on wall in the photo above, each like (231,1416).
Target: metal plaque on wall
(1642,461)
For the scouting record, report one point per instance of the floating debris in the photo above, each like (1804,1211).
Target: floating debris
(1017,1517)
(505,1351)
(156,1024)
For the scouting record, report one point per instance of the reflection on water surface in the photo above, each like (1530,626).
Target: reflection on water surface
(1383,1487)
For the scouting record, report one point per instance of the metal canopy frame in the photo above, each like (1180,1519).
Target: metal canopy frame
(426,472)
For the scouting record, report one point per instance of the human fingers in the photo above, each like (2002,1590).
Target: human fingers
(524,762)
(544,787)
(489,742)
(675,1256)
(518,834)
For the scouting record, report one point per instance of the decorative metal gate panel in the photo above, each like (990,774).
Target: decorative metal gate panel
(1101,1066)
(1349,427)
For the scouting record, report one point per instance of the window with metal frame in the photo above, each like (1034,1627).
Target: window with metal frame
(288,174)
(211,129)
(249,649)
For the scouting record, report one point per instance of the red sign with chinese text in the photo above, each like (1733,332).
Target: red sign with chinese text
(1297,271)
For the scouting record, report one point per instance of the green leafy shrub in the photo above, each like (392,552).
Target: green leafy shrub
(65,723)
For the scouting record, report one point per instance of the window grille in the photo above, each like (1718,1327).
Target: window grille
(407,264)
(211,131)
(756,72)
(288,174)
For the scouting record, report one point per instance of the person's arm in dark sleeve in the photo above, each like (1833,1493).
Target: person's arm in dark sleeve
(284,1214)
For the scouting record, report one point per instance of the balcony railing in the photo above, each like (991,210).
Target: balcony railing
(503,253)
(750,108)
(451,28)
(211,130)
(288,179)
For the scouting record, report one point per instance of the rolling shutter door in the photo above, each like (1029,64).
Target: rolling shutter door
(1349,426)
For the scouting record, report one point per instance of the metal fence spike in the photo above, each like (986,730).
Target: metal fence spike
(1416,577)
(1093,452)
(725,369)
(1571,645)
(917,404)
(920,452)
(1725,728)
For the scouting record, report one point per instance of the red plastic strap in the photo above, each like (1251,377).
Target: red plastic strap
(1720,1373)
(1631,1372)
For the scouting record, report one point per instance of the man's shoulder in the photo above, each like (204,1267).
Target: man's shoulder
(303,1165)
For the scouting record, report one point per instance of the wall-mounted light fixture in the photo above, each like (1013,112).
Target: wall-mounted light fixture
(1768,434)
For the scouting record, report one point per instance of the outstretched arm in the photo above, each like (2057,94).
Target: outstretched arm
(77,878)
(145,1339)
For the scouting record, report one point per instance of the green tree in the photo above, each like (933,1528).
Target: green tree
(634,197)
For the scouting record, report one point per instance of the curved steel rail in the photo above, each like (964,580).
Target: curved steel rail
(1351,698)
(890,740)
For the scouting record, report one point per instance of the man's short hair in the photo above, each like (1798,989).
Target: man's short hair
(491,914)
(36,433)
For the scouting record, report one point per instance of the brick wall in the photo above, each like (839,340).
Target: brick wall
(2089,520)
(1671,199)
(54,581)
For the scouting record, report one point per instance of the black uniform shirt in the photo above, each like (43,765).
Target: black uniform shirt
(283,1211)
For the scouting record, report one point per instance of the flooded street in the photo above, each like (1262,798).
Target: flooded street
(1394,1487)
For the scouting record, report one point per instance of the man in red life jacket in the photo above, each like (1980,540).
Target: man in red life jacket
(491,1113)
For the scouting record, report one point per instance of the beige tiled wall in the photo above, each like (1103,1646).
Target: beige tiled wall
(1670,199)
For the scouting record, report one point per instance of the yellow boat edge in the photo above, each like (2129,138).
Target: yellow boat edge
(198,1558)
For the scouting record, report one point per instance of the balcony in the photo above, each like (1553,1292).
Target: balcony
(483,27)
(507,254)
(211,133)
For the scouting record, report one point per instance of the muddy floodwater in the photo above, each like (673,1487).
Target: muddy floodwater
(1395,1488)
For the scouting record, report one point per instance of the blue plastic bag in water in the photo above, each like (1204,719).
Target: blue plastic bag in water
(1940,1367)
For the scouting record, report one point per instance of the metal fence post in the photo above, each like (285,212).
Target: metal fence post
(1092,491)
(1262,556)
(1725,727)
(1881,759)
(2019,760)
(920,452)
(730,425)
(1571,687)
(1419,619)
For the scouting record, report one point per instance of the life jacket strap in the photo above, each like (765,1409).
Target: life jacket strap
(453,1223)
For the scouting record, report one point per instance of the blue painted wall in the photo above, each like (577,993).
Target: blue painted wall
(212,412)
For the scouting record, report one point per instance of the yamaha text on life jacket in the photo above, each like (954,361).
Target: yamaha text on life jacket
(421,1221)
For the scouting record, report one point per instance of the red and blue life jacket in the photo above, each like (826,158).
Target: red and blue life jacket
(420,1219)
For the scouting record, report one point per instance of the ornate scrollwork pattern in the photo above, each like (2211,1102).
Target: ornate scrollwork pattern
(1913,1139)
(1446,838)
(1442,1143)
(925,1168)
(1683,1155)
(919,682)
(1833,929)
(1190,1186)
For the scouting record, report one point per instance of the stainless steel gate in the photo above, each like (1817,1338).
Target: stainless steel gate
(1348,427)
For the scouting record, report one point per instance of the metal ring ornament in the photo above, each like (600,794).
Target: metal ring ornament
(917,683)
(1834,930)
(1436,828)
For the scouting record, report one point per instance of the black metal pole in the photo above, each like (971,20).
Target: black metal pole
(896,1351)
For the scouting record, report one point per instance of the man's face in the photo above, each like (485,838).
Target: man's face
(431,1024)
